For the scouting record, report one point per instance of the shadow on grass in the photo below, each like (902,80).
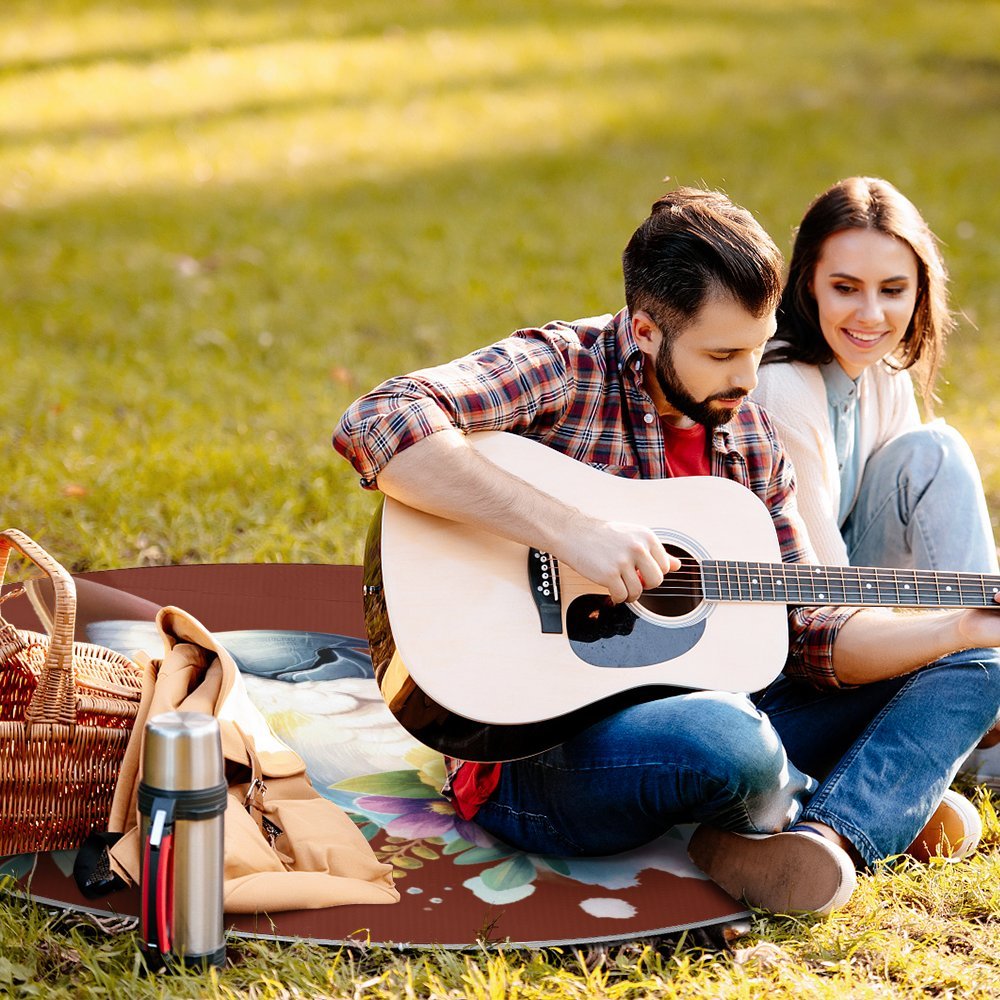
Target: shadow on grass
(191,345)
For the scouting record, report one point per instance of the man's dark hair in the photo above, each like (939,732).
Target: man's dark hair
(694,244)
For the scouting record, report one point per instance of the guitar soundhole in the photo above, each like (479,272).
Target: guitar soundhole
(680,593)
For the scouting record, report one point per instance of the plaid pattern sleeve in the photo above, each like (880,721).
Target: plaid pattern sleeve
(768,472)
(515,384)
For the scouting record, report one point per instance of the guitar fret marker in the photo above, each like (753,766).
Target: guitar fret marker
(753,581)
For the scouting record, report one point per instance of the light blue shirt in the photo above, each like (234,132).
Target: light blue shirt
(842,402)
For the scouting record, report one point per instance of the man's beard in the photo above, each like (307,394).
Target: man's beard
(680,399)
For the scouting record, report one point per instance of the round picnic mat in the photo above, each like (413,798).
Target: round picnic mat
(296,633)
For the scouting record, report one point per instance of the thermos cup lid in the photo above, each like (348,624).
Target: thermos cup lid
(182,752)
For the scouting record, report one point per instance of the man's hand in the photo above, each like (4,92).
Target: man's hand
(980,627)
(624,558)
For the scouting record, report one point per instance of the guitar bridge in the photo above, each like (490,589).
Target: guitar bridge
(543,578)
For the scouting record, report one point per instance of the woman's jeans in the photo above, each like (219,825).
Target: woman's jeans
(884,753)
(921,506)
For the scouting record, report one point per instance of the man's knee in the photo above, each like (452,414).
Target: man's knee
(967,682)
(740,739)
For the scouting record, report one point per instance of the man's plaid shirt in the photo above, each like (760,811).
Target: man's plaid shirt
(577,387)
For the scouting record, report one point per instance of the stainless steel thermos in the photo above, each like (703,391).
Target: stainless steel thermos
(182,802)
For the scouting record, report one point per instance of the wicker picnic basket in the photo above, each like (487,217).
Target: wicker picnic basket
(66,711)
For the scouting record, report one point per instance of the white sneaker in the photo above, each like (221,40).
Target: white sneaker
(953,832)
(789,872)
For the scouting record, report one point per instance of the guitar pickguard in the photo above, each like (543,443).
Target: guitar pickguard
(613,635)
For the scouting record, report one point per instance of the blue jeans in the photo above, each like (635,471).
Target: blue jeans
(884,753)
(696,756)
(921,506)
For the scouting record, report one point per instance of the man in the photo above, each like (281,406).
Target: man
(851,751)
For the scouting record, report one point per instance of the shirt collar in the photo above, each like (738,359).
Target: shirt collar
(630,357)
(722,440)
(840,387)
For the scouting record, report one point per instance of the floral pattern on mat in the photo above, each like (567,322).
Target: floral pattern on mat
(318,693)
(340,726)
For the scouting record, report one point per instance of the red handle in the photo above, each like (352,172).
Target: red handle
(165,894)
(156,911)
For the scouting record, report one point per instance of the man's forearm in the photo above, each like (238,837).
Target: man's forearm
(444,475)
(878,643)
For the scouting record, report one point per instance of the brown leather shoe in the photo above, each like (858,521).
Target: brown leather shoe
(953,832)
(788,872)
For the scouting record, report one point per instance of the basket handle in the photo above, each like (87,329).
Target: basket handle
(54,700)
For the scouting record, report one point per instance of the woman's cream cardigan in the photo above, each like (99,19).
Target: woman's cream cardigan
(794,395)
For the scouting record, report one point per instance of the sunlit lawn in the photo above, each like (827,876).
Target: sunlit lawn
(222,221)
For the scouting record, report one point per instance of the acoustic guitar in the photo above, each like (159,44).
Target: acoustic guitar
(486,650)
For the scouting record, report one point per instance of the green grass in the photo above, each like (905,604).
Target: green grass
(910,932)
(221,221)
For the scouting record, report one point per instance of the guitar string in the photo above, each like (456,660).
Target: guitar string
(809,572)
(813,579)
(688,581)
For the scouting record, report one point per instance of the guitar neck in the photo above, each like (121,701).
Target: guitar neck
(801,583)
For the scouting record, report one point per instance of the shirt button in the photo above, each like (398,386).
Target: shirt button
(648,418)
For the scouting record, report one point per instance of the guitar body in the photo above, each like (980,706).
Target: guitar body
(458,635)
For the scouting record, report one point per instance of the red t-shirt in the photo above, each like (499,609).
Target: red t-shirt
(686,450)
(686,455)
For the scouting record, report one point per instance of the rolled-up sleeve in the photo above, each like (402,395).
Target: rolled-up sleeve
(515,384)
(812,632)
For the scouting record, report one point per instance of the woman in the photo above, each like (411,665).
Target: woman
(865,304)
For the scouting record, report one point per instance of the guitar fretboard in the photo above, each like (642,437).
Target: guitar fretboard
(792,583)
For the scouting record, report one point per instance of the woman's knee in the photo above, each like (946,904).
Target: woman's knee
(923,454)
